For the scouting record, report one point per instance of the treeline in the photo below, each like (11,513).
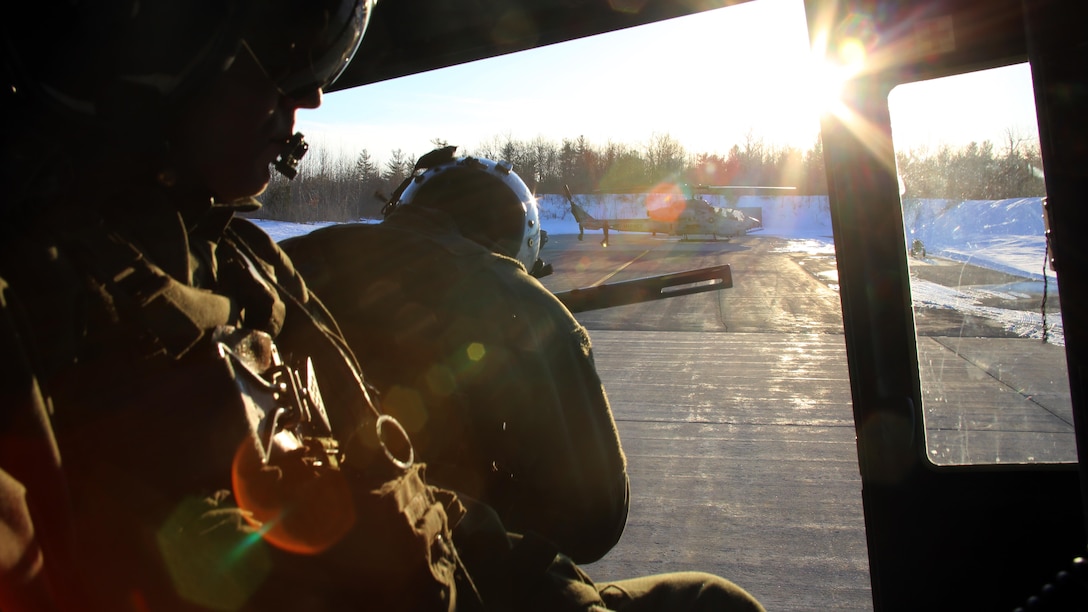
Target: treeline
(974,172)
(337,188)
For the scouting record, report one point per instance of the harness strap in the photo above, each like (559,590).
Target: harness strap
(351,427)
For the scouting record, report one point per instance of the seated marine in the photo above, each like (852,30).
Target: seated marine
(492,376)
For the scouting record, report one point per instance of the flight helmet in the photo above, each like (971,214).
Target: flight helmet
(121,64)
(486,199)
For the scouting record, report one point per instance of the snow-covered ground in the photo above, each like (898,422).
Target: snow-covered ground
(1003,235)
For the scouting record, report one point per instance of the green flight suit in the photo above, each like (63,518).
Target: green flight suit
(490,373)
(495,380)
(116,433)
(120,429)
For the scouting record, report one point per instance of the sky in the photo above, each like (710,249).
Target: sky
(709,80)
(984,105)
(1003,235)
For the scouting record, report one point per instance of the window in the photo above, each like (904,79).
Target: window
(987,312)
(696,139)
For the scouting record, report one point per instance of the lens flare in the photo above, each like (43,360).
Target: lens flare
(475,351)
(300,507)
(665,202)
(843,54)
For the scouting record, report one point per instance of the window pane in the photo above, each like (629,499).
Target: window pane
(733,406)
(987,312)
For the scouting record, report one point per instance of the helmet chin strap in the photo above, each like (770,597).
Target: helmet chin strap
(294,148)
(394,200)
(429,160)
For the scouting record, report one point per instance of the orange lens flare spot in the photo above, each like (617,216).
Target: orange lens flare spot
(299,507)
(665,202)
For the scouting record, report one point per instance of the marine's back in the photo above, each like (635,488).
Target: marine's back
(490,373)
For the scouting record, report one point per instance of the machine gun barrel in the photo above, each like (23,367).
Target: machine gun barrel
(714,278)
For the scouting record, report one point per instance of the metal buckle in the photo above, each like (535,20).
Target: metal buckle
(283,406)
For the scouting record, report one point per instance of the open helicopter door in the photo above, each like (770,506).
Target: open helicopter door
(966,536)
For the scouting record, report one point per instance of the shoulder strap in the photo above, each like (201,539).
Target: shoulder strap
(357,421)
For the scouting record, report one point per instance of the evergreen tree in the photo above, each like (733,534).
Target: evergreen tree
(369,200)
(398,167)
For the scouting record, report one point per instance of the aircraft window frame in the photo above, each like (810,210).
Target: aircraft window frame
(947,443)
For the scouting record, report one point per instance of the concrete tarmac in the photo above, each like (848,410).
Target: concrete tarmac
(735,412)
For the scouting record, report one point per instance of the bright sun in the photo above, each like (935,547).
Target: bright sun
(827,74)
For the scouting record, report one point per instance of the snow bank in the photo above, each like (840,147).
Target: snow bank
(1005,235)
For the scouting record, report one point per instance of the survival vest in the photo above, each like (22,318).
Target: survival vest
(167,396)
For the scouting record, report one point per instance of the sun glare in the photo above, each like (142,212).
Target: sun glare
(825,85)
(712,80)
(828,73)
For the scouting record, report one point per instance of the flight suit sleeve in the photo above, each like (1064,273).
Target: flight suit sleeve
(570,467)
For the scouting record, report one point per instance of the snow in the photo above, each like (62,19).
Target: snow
(282,230)
(1003,235)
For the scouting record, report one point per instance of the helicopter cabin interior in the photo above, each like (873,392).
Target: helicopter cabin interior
(940,535)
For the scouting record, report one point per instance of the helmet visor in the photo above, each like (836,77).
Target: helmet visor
(315,41)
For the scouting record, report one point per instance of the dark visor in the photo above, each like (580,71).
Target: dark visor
(317,41)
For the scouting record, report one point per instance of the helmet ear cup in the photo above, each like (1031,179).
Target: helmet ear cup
(486,199)
(508,228)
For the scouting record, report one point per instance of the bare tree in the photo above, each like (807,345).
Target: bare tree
(665,158)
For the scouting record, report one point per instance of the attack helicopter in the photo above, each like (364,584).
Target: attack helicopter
(683,213)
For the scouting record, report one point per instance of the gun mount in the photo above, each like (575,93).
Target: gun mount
(700,280)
